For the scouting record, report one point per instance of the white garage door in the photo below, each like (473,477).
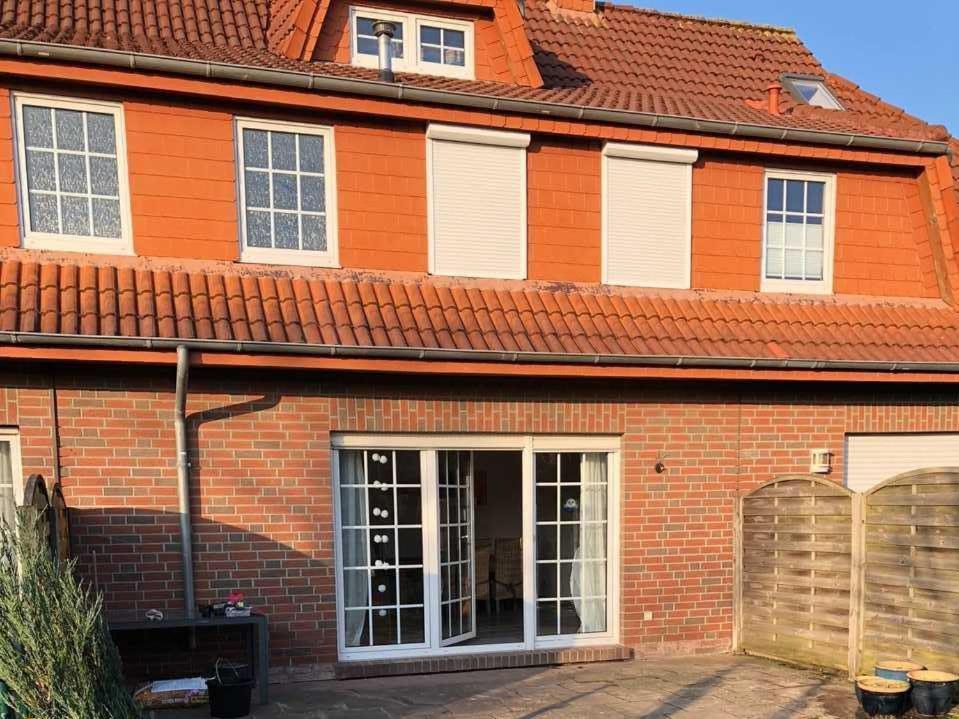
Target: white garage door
(873,458)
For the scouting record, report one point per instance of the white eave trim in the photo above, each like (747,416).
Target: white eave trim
(477,136)
(656,153)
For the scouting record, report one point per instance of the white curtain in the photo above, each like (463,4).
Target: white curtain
(588,578)
(352,513)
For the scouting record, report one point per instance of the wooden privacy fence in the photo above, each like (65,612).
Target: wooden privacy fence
(911,569)
(829,577)
(795,535)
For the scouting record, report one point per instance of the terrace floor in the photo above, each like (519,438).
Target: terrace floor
(714,687)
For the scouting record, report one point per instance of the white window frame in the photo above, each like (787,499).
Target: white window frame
(681,156)
(122,245)
(476,136)
(529,445)
(278,256)
(410,62)
(809,287)
(12,436)
(793,82)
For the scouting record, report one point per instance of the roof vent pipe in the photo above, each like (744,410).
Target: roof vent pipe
(384,31)
(774,91)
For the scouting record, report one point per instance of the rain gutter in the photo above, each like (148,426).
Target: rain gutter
(439,355)
(398,91)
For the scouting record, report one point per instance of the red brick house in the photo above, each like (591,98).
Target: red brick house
(540,299)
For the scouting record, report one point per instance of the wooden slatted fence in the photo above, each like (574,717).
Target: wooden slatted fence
(911,570)
(795,562)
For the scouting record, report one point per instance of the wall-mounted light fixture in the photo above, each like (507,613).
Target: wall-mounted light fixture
(820,461)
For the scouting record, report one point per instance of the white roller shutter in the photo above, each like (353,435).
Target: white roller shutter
(477,200)
(647,208)
(874,458)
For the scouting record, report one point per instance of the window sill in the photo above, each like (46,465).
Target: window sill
(796,287)
(77,243)
(304,258)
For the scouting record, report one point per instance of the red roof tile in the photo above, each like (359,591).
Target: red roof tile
(616,58)
(142,299)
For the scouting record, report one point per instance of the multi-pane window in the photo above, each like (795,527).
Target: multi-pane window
(72,173)
(381,529)
(9,473)
(421,43)
(287,193)
(442,45)
(571,543)
(798,232)
(367,42)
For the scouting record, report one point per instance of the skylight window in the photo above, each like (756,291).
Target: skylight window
(811,91)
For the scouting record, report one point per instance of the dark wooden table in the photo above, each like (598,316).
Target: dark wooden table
(258,637)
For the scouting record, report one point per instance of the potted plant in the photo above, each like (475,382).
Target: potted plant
(882,697)
(932,692)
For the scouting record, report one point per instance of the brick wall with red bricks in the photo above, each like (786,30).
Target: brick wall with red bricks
(260,453)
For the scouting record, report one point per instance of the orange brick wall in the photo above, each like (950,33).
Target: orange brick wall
(878,249)
(183,197)
(182,181)
(564,211)
(9,218)
(381,186)
(261,478)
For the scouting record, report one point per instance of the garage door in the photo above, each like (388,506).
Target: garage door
(873,458)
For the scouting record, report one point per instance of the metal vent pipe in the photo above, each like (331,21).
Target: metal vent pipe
(384,31)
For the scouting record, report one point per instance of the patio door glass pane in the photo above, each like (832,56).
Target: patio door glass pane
(456,546)
(571,536)
(382,547)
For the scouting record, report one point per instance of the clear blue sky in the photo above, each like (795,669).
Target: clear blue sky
(905,52)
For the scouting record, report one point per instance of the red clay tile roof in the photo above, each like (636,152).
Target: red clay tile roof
(616,58)
(139,298)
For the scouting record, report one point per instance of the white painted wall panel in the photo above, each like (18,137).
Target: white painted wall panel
(478,209)
(874,458)
(647,209)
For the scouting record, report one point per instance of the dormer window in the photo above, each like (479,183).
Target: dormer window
(444,46)
(810,91)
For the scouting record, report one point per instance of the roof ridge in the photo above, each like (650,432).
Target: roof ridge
(700,18)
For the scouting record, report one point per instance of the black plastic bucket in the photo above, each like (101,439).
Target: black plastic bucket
(932,692)
(229,701)
(882,697)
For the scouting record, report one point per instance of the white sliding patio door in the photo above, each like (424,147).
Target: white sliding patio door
(405,544)
(457,607)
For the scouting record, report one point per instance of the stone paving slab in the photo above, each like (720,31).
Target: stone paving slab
(715,687)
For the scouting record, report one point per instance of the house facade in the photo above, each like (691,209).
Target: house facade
(491,311)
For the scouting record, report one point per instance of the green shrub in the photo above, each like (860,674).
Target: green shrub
(56,655)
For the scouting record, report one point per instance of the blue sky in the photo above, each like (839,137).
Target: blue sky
(905,52)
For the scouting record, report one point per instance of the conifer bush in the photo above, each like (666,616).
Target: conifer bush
(56,655)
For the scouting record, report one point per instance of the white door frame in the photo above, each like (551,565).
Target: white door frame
(528,445)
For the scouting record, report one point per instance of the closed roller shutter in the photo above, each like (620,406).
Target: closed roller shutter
(478,203)
(874,458)
(647,207)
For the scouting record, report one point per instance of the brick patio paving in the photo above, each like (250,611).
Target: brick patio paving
(702,687)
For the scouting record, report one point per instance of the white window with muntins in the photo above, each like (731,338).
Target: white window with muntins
(11,481)
(798,232)
(476,194)
(647,215)
(874,458)
(421,43)
(72,174)
(287,193)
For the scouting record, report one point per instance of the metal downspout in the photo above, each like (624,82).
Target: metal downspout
(183,478)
